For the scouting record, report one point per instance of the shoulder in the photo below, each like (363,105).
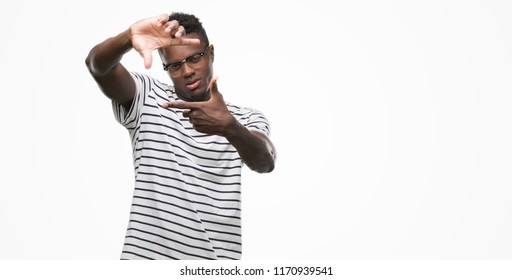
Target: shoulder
(145,78)
(241,110)
(247,115)
(147,83)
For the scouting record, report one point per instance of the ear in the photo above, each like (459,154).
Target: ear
(212,53)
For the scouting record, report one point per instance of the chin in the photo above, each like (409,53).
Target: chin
(196,95)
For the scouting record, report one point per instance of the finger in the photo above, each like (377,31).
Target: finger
(162,19)
(186,113)
(183,105)
(148,58)
(171,25)
(183,41)
(214,91)
(181,32)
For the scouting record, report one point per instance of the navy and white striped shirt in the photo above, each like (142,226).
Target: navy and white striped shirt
(187,197)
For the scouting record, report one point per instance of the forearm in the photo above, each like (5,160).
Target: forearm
(106,55)
(213,117)
(255,148)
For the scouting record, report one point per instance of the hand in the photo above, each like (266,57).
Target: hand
(157,32)
(210,117)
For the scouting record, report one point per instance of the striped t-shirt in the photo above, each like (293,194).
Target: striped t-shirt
(187,198)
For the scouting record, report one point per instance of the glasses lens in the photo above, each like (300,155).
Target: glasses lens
(175,66)
(195,61)
(175,69)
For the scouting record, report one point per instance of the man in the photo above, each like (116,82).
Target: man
(188,144)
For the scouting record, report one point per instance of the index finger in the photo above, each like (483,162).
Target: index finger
(185,41)
(169,41)
(181,105)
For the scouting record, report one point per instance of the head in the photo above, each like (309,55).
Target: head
(192,79)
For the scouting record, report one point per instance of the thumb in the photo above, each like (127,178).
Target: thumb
(148,58)
(214,91)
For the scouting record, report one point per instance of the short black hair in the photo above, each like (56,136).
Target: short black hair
(191,24)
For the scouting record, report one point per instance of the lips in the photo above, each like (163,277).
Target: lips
(193,84)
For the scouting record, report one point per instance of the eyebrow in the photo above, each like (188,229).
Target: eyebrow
(182,61)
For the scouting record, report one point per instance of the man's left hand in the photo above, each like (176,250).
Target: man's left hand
(210,117)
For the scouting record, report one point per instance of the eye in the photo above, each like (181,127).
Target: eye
(195,58)
(174,66)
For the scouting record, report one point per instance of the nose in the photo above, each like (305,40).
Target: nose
(187,70)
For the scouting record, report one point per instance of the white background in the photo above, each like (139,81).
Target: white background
(391,120)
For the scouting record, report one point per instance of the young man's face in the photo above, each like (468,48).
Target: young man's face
(191,79)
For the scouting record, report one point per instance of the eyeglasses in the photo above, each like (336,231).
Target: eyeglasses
(194,61)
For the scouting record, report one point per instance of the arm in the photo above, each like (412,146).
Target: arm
(144,36)
(104,65)
(256,150)
(213,117)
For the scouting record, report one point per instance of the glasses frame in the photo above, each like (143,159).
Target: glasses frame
(179,64)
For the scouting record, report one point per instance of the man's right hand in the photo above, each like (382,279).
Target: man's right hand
(157,32)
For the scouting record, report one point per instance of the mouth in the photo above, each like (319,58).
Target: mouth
(193,84)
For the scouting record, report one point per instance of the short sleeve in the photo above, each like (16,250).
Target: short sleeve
(130,118)
(259,122)
(251,118)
